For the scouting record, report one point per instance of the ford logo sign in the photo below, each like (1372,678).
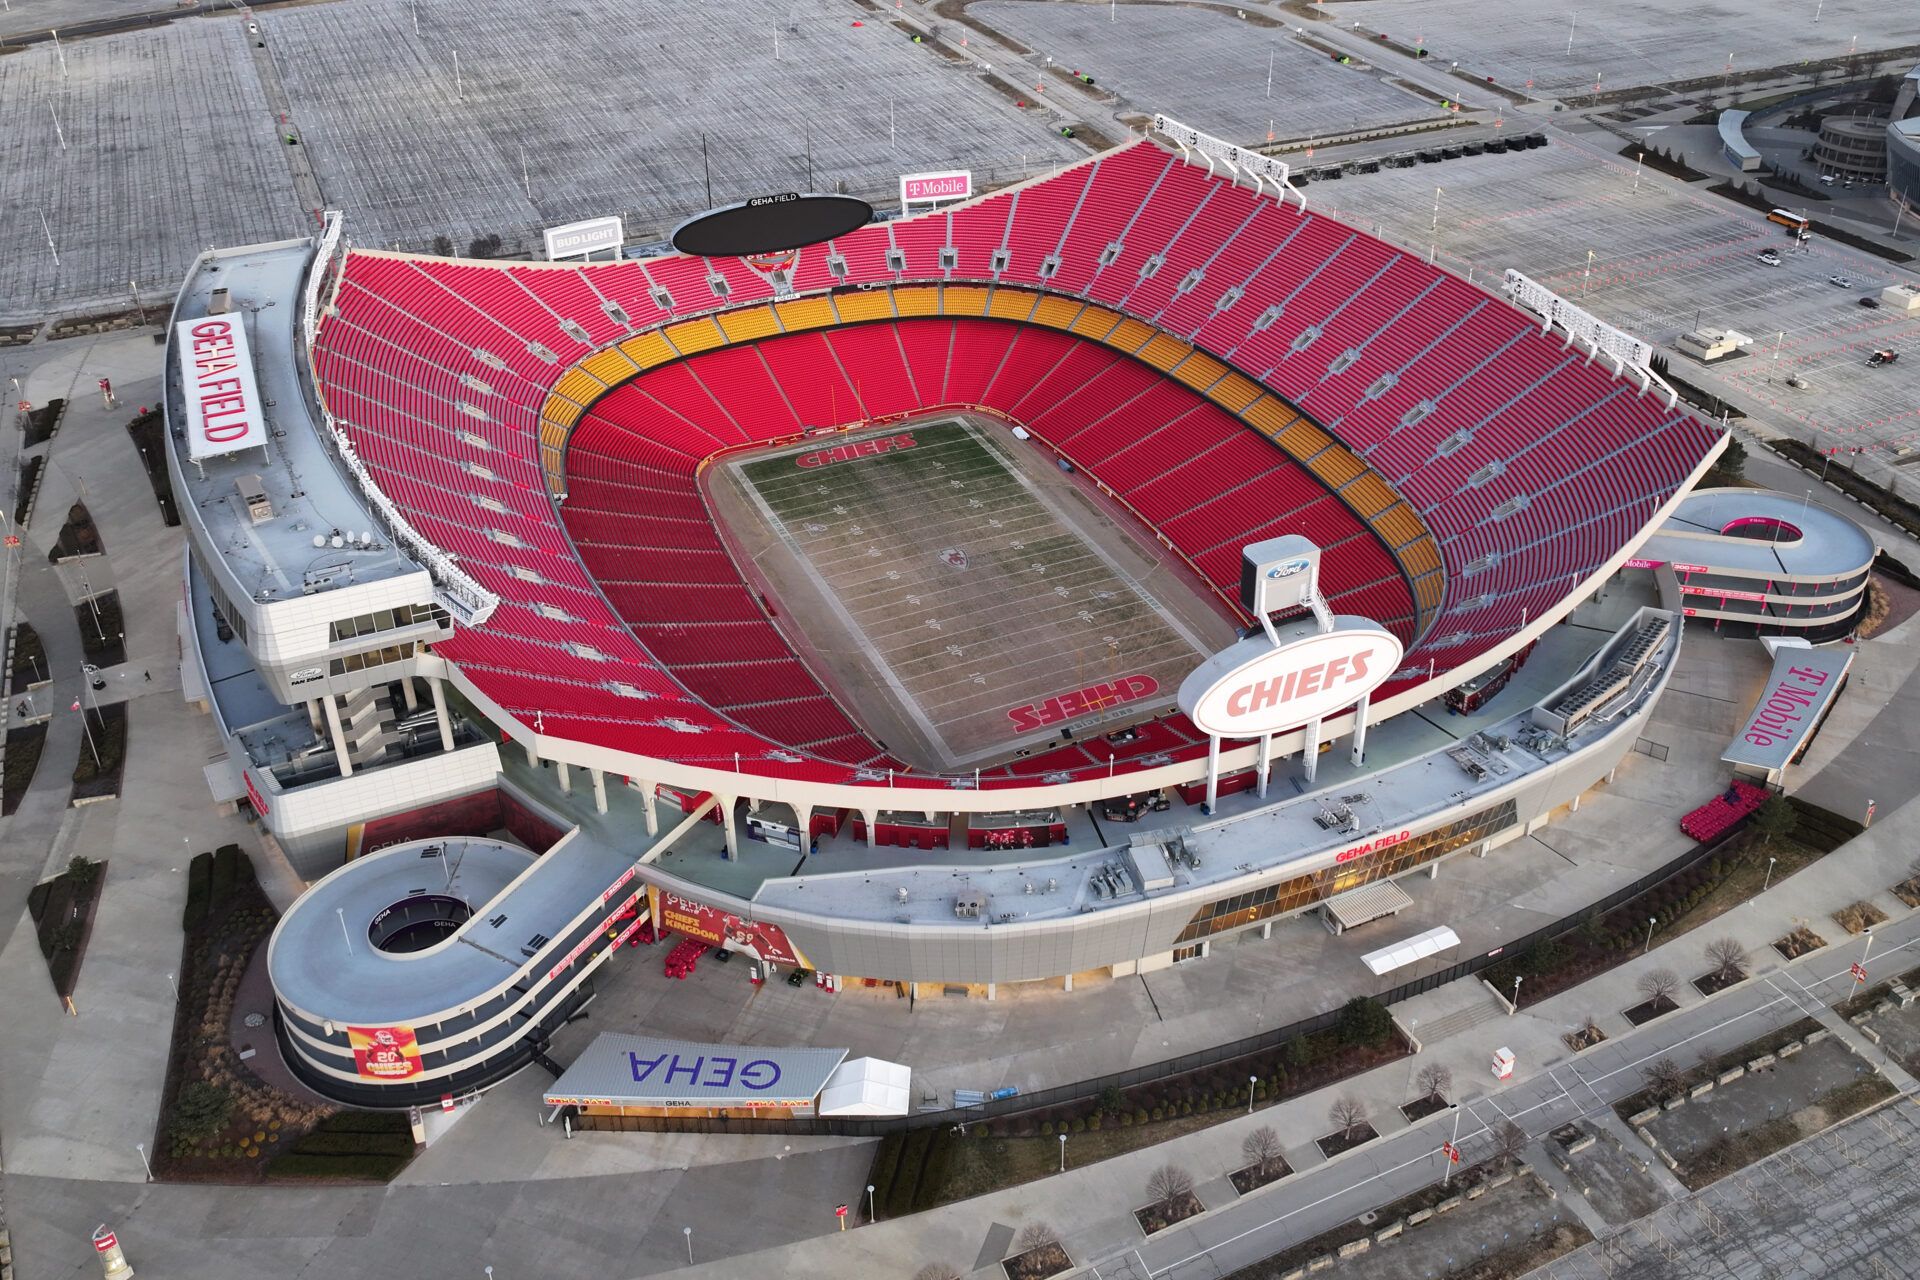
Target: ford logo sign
(1288,569)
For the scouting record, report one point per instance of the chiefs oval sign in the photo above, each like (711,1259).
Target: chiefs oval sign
(1254,689)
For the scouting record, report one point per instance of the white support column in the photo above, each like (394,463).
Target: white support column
(1213,772)
(408,694)
(566,779)
(990,991)
(599,790)
(753,805)
(1359,754)
(1310,749)
(315,720)
(1266,928)
(339,737)
(1266,762)
(533,757)
(1575,806)
(1610,774)
(1433,869)
(440,712)
(650,802)
(727,825)
(1067,983)
(872,817)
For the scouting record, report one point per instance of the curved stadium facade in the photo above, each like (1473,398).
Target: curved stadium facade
(1228,367)
(539,440)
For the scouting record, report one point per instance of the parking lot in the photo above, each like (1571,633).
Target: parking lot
(1565,49)
(1666,257)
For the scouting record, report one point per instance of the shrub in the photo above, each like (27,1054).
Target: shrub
(1093,1122)
(1140,1115)
(289,1165)
(1364,1020)
(199,1112)
(1126,1119)
(1046,1128)
(1159,1113)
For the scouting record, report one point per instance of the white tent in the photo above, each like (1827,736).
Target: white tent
(1418,947)
(867,1087)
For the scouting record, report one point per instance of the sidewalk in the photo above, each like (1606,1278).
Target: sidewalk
(1090,1206)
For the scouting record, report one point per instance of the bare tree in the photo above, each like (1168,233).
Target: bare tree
(1509,1140)
(1434,1081)
(1659,985)
(1035,1235)
(1663,1077)
(1262,1149)
(1729,959)
(1348,1112)
(936,1271)
(1169,1188)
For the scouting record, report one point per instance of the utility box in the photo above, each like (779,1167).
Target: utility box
(1503,1064)
(1904,298)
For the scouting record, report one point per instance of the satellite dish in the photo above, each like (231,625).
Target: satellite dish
(366,538)
(319,539)
(338,542)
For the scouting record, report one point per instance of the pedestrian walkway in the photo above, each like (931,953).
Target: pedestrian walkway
(1090,1206)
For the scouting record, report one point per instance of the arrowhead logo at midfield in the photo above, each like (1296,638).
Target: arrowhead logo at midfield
(954,558)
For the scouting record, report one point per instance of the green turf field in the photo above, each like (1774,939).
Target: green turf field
(967,591)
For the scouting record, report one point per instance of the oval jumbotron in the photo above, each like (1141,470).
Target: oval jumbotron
(770,224)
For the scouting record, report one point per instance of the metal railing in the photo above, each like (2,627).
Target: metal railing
(1087,1090)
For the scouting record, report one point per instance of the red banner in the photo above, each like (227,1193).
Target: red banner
(768,942)
(1082,702)
(384,1053)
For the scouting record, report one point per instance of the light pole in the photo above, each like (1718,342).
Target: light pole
(688,1233)
(489,1270)
(1434,226)
(1252,1083)
(176,988)
(1063,1153)
(1649,944)
(870,1213)
(341,914)
(141,1147)
(1511,1010)
(1447,1180)
(1769,878)
(1869,948)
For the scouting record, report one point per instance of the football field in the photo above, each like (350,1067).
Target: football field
(982,611)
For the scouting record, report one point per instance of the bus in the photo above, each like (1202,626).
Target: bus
(1797,224)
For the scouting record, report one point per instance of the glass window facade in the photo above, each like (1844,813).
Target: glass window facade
(1286,896)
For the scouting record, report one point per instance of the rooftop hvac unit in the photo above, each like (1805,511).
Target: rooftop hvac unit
(970,906)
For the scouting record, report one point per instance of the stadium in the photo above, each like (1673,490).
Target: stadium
(888,553)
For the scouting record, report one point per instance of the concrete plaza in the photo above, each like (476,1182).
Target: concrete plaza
(501,1190)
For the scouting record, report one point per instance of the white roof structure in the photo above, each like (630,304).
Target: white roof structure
(867,1087)
(1418,947)
(1369,902)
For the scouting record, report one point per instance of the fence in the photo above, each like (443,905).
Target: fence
(1086,1090)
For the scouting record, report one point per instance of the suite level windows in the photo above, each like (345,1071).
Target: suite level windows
(405,615)
(354,663)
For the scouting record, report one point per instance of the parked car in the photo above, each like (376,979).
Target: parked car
(1842,281)
(1826,179)
(1870,302)
(1769,257)
(1797,382)
(1883,357)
